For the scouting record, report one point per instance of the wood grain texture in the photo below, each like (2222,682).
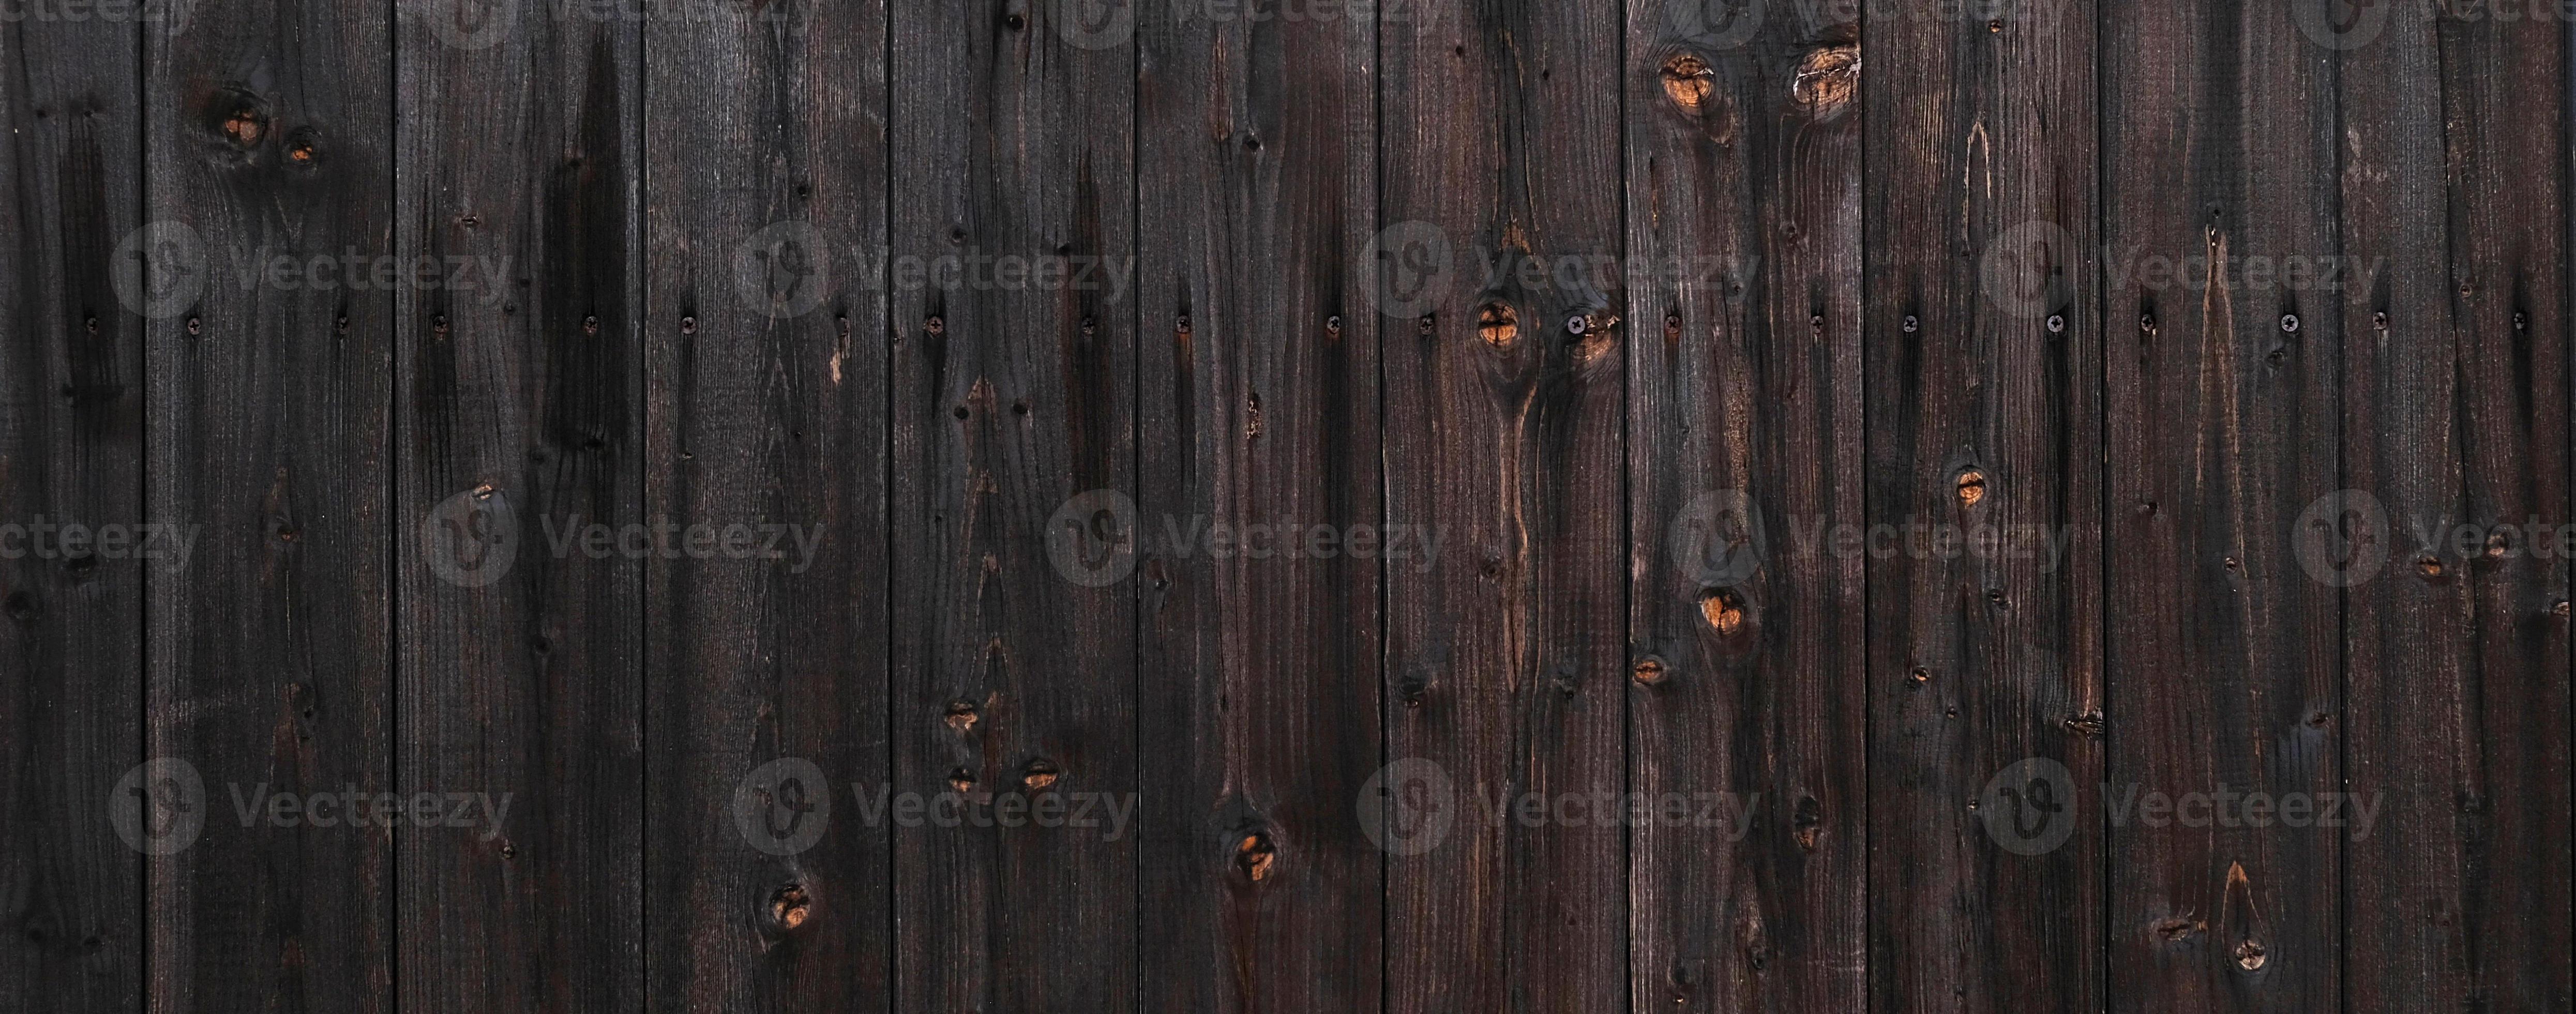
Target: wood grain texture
(1013,136)
(1979,212)
(1260,889)
(1744,410)
(1503,428)
(766,406)
(2455,130)
(71,453)
(268,133)
(2223,351)
(520,408)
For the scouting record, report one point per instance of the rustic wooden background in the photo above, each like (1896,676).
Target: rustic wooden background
(1927,213)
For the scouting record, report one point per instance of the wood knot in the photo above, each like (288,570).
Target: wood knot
(1499,324)
(1254,854)
(1723,609)
(1650,670)
(1972,487)
(2088,724)
(961,716)
(789,907)
(2174,929)
(2249,955)
(1687,81)
(961,780)
(1827,79)
(1039,774)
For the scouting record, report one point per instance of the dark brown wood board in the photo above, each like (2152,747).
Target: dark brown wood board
(1257,420)
(520,413)
(1286,505)
(1744,425)
(71,453)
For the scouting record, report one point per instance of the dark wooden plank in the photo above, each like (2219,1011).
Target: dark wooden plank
(1014,136)
(2454,202)
(1505,661)
(2222,355)
(765,377)
(1983,378)
(71,453)
(1259,663)
(521,419)
(1744,405)
(268,142)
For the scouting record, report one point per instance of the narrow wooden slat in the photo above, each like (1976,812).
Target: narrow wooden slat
(1259,666)
(765,400)
(2223,352)
(1505,663)
(2455,414)
(1983,385)
(1744,403)
(71,449)
(268,141)
(520,413)
(1013,137)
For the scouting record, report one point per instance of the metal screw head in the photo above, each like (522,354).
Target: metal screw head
(2056,323)
(1577,323)
(2289,323)
(1912,325)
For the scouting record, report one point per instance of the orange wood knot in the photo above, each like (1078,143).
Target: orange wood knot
(1650,670)
(1254,854)
(1827,79)
(1688,82)
(961,780)
(1499,324)
(1723,609)
(1972,487)
(1038,775)
(789,907)
(961,716)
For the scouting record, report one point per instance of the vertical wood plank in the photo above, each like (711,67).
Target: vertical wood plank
(765,379)
(520,414)
(2223,349)
(1013,403)
(1260,662)
(1744,404)
(268,139)
(1504,371)
(2454,191)
(1983,387)
(71,451)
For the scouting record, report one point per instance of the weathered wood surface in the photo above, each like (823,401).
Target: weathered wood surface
(1632,360)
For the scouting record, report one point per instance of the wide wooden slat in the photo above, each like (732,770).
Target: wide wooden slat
(1983,355)
(1258,676)
(71,453)
(2455,414)
(1503,422)
(765,400)
(521,417)
(1744,410)
(268,132)
(1014,401)
(2223,350)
